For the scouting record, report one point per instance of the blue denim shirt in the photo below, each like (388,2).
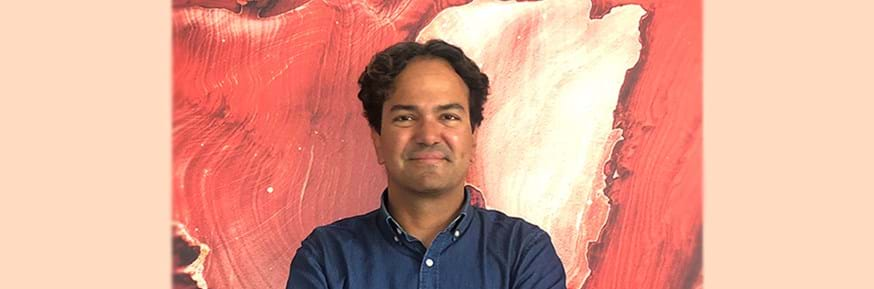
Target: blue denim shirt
(480,249)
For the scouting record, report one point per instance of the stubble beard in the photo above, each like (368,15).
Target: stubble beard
(431,181)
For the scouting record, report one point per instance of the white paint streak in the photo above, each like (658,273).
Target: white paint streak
(555,84)
(195,269)
(306,179)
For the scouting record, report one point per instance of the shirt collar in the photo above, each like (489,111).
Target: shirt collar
(394,230)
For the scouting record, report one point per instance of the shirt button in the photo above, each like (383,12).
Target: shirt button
(396,239)
(429,262)
(457,233)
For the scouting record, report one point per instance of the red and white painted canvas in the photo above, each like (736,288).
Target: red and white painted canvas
(592,130)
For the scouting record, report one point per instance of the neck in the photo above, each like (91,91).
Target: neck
(424,216)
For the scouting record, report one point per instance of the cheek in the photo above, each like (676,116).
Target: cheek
(394,145)
(461,143)
(396,150)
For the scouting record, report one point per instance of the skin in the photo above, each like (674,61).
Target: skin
(426,146)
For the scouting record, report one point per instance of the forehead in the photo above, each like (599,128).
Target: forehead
(428,81)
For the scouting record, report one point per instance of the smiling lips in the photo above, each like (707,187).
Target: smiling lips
(428,157)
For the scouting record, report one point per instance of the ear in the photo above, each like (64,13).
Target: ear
(377,145)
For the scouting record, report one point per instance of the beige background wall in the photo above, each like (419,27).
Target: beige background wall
(85,150)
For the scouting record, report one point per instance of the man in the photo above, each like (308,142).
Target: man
(423,103)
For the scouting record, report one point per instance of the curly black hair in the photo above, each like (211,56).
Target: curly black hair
(377,80)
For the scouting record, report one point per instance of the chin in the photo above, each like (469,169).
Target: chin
(429,188)
(428,185)
(435,187)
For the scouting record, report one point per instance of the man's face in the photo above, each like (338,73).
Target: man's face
(426,142)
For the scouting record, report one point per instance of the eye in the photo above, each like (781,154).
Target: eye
(449,116)
(403,118)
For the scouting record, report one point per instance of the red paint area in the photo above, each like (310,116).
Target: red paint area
(653,235)
(269,141)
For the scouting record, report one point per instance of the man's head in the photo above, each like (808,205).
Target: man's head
(423,103)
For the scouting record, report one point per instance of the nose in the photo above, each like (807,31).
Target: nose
(428,132)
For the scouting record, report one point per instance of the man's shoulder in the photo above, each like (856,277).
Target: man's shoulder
(517,235)
(501,222)
(345,228)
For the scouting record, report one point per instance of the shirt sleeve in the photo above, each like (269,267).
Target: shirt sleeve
(539,266)
(306,270)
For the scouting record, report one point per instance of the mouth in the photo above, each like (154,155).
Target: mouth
(429,158)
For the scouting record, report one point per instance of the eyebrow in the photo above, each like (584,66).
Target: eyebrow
(450,106)
(442,107)
(403,107)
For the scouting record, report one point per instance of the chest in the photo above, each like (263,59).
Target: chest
(460,266)
(445,272)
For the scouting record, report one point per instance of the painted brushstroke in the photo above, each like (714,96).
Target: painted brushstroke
(549,122)
(653,234)
(268,138)
(189,259)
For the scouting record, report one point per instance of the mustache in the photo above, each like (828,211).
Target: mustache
(429,152)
